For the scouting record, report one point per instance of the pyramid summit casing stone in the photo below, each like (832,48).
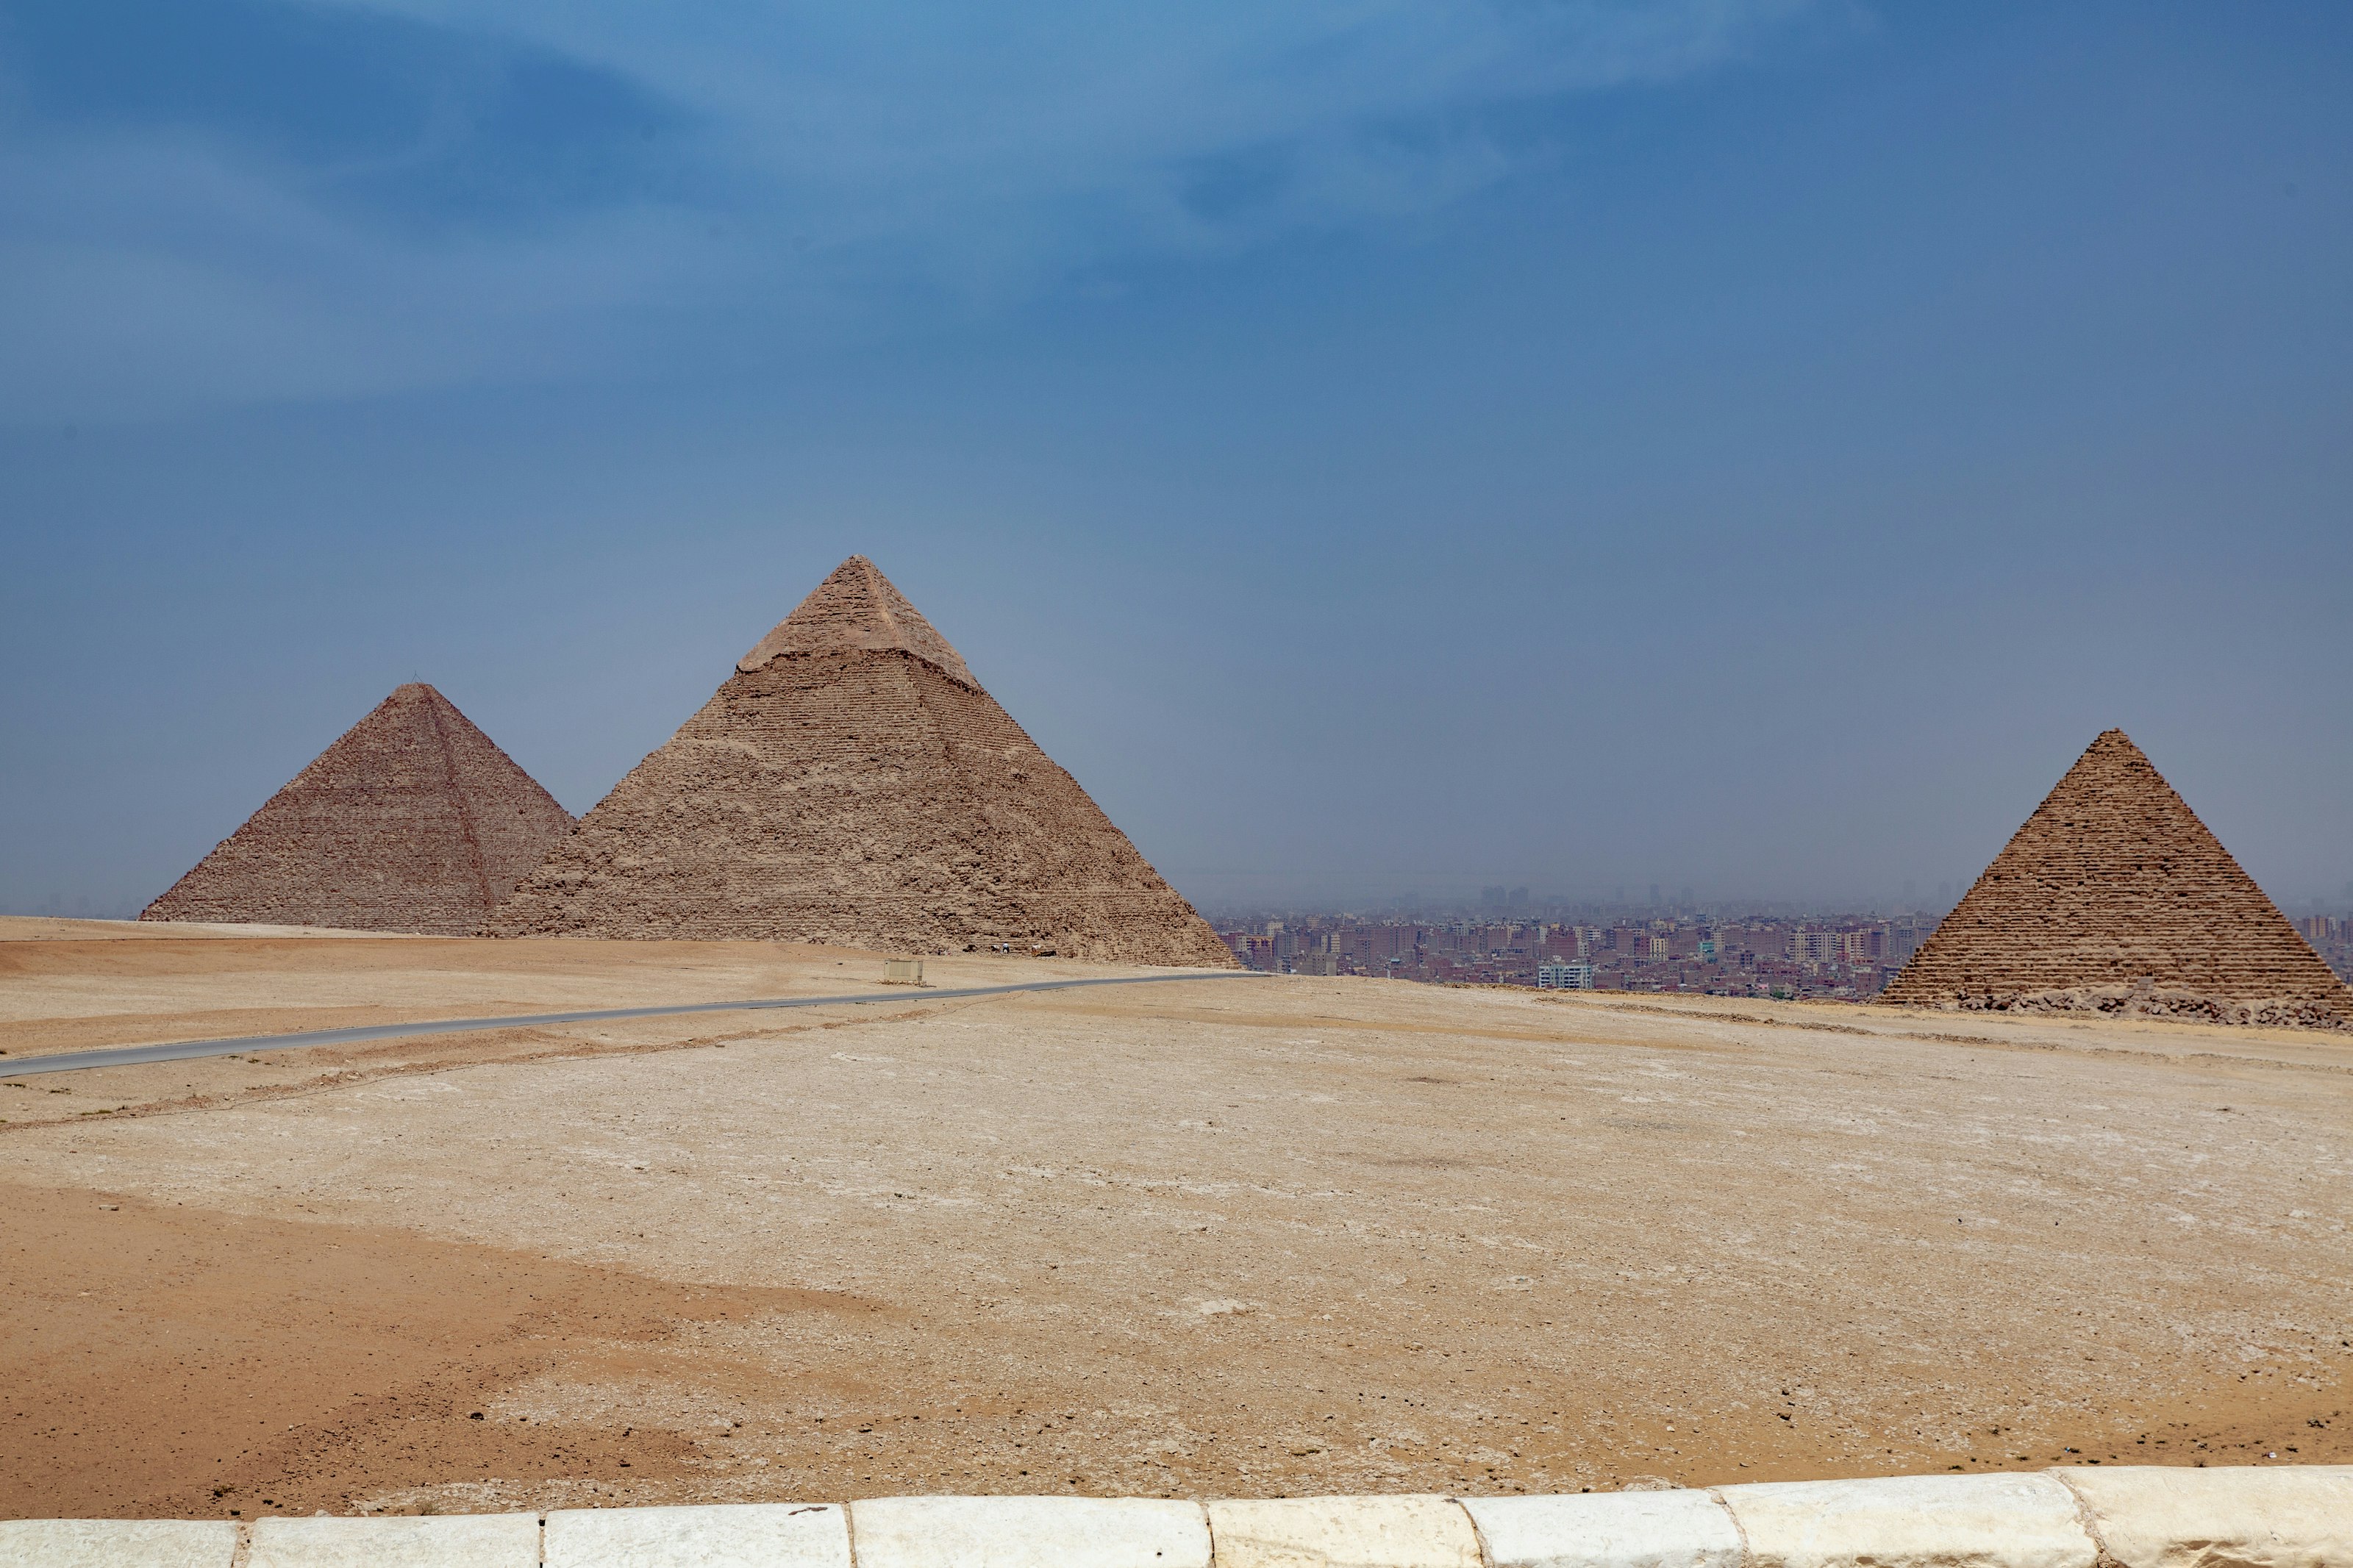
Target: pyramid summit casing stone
(2115,897)
(857,607)
(413,820)
(853,784)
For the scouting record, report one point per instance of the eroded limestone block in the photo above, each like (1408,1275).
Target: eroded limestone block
(116,1543)
(436,1540)
(2164,1516)
(729,1536)
(1409,1531)
(1029,1533)
(1607,1530)
(1912,1521)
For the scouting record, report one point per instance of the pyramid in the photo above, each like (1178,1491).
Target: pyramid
(2114,897)
(853,784)
(413,821)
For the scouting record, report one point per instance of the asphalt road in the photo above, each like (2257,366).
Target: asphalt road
(183,1050)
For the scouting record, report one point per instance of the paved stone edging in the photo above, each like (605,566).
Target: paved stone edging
(2128,1517)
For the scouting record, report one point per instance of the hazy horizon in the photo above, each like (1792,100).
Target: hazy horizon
(1750,445)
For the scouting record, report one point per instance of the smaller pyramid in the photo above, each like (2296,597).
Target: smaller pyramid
(413,821)
(2115,897)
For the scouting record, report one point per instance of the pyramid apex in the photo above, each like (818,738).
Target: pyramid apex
(858,609)
(2112,748)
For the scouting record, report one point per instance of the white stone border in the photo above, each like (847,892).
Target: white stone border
(2294,1516)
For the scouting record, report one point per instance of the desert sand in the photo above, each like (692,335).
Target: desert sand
(1243,1236)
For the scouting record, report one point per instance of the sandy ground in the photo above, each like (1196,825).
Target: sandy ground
(1233,1237)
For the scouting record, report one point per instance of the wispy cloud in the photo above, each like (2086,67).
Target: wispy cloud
(232,199)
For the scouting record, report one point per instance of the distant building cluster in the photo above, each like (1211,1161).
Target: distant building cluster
(1833,956)
(2332,937)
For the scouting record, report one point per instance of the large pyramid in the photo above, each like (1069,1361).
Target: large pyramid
(414,821)
(851,783)
(2114,897)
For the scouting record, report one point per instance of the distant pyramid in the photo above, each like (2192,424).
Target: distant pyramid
(2114,897)
(853,784)
(414,821)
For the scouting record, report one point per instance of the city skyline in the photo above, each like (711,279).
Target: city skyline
(1850,956)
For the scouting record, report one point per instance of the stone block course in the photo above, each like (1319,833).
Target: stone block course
(1607,1530)
(732,1535)
(2152,1516)
(1407,1531)
(1029,1533)
(1912,1521)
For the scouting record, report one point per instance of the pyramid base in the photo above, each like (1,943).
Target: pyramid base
(1123,927)
(2148,1000)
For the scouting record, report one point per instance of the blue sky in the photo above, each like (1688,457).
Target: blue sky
(1376,447)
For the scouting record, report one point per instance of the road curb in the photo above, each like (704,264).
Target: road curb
(2115,1517)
